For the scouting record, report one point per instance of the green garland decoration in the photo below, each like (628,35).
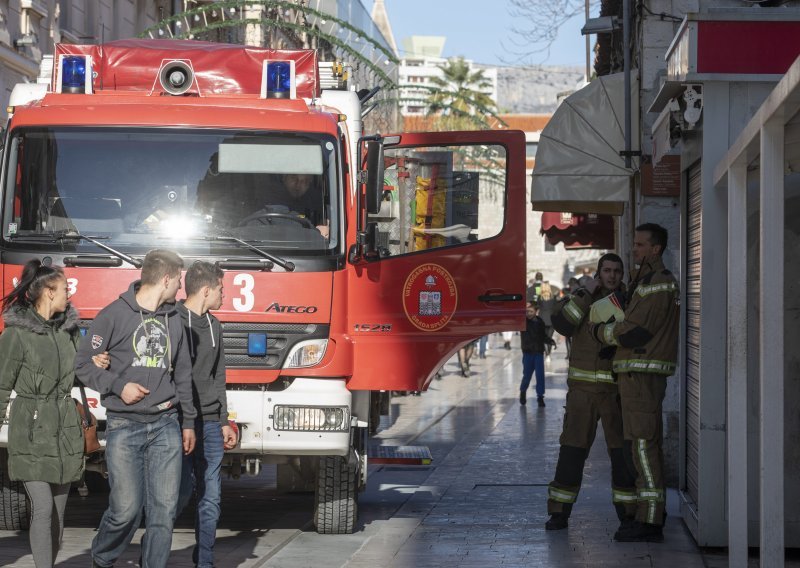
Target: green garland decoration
(223,23)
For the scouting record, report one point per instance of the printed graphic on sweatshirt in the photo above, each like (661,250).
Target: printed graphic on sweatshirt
(150,343)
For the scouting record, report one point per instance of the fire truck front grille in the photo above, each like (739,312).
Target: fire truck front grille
(280,340)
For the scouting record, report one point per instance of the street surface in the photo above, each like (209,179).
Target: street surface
(482,502)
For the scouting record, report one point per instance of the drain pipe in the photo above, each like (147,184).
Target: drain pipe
(626,67)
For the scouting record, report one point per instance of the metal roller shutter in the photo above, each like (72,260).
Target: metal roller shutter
(692,351)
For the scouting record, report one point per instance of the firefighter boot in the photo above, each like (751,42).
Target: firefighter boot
(640,532)
(557,522)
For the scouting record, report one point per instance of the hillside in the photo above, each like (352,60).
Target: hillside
(534,89)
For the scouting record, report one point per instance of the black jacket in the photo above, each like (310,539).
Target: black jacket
(533,339)
(204,336)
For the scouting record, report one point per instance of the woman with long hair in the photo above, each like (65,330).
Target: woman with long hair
(45,437)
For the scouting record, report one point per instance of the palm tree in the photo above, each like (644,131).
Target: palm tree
(458,97)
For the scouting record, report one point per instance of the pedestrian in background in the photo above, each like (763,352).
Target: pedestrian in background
(202,469)
(591,397)
(572,287)
(464,355)
(532,341)
(542,293)
(482,343)
(45,438)
(646,354)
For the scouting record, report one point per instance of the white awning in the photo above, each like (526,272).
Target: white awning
(578,166)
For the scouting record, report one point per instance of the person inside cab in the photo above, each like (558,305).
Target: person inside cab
(298,196)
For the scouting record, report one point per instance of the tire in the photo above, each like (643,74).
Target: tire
(14,510)
(336,497)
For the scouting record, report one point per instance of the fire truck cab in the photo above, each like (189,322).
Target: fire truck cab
(353,264)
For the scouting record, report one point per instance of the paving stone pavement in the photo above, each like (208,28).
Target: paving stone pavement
(490,505)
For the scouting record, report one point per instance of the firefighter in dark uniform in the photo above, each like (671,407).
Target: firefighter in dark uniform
(592,396)
(646,344)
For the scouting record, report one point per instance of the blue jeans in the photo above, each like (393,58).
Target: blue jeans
(144,461)
(533,362)
(482,346)
(202,472)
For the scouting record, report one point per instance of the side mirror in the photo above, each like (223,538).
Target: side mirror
(374,189)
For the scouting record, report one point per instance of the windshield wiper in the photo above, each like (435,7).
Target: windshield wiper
(287,265)
(68,235)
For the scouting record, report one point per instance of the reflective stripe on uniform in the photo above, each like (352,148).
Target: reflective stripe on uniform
(561,495)
(655,288)
(619,496)
(641,449)
(651,495)
(644,366)
(608,334)
(573,312)
(590,376)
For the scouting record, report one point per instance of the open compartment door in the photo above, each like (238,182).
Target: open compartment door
(451,268)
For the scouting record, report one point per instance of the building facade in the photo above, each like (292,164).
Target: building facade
(30,28)
(421,61)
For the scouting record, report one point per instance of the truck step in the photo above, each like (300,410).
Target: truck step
(400,455)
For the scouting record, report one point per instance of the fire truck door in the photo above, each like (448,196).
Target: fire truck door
(451,233)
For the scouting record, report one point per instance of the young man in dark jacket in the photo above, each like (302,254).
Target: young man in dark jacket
(533,340)
(202,469)
(149,376)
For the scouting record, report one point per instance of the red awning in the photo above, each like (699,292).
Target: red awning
(579,231)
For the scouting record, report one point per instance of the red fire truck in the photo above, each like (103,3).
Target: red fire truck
(353,264)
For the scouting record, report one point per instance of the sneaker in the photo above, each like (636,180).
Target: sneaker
(640,532)
(523,398)
(557,522)
(540,401)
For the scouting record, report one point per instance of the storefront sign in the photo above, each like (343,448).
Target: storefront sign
(663,179)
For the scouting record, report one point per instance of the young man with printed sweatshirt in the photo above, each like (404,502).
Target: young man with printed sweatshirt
(148,379)
(202,469)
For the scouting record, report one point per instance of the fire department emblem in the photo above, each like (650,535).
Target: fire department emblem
(430,297)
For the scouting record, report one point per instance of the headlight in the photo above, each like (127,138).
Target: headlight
(306,354)
(311,419)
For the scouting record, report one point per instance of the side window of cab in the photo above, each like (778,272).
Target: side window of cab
(441,196)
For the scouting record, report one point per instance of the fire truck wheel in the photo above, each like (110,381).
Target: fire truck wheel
(336,497)
(14,509)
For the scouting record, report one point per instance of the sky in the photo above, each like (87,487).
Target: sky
(476,29)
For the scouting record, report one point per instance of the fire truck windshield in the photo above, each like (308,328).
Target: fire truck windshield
(134,188)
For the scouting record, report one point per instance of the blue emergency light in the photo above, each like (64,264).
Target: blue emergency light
(279,80)
(73,74)
(257,344)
